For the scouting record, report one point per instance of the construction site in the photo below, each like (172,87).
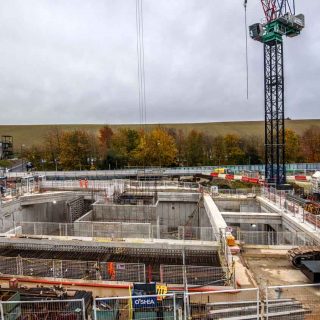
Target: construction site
(202,248)
(159,243)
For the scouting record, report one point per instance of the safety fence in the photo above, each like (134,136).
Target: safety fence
(274,238)
(113,230)
(113,271)
(143,307)
(73,269)
(297,302)
(193,275)
(49,309)
(115,185)
(290,167)
(225,304)
(184,233)
(293,206)
(237,192)
(108,186)
(160,184)
(292,302)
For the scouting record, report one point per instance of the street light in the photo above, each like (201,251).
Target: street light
(158,144)
(56,161)
(22,146)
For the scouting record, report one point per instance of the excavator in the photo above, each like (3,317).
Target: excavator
(304,253)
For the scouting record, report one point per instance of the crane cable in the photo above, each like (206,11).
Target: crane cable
(246,33)
(138,58)
(141,69)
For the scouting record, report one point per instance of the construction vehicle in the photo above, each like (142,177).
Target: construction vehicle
(304,253)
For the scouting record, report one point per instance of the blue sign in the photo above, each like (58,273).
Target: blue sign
(144,302)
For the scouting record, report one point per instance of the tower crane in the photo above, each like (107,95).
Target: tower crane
(280,20)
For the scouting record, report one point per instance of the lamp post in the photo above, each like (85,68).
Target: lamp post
(158,144)
(56,161)
(22,162)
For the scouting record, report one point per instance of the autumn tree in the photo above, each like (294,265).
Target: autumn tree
(310,144)
(180,142)
(36,155)
(155,148)
(292,146)
(94,150)
(104,137)
(234,149)
(75,150)
(253,147)
(194,145)
(208,149)
(219,150)
(123,144)
(52,147)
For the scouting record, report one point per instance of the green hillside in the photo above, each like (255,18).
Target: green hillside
(33,134)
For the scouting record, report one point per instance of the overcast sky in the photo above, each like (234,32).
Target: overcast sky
(75,61)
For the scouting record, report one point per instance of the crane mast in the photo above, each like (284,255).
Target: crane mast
(280,20)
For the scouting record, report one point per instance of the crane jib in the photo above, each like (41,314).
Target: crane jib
(273,9)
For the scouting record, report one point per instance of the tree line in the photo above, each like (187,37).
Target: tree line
(163,147)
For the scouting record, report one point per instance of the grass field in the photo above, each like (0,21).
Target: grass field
(33,134)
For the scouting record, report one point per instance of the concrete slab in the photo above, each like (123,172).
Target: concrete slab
(275,271)
(37,198)
(70,243)
(252,217)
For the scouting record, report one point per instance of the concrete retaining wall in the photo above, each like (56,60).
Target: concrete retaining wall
(238,205)
(44,212)
(126,213)
(8,214)
(215,217)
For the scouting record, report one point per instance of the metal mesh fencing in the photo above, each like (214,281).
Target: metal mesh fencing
(197,233)
(239,192)
(121,230)
(226,304)
(59,310)
(164,232)
(85,229)
(184,233)
(115,230)
(108,185)
(9,265)
(147,307)
(118,185)
(36,267)
(274,238)
(297,302)
(71,269)
(194,275)
(134,272)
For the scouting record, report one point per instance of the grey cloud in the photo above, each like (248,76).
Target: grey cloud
(75,61)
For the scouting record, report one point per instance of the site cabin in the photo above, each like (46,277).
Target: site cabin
(316,182)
